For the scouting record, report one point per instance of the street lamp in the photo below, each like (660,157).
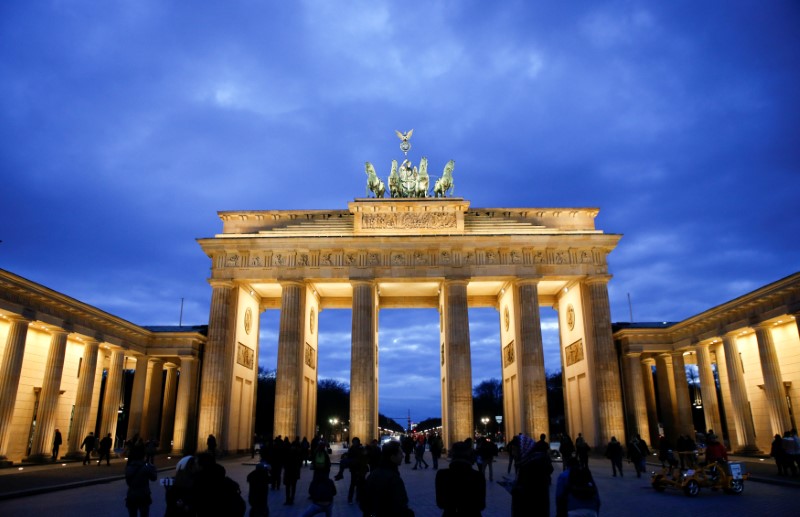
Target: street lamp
(485,421)
(333,421)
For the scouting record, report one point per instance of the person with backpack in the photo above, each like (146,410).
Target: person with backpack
(321,492)
(576,492)
(530,493)
(138,475)
(637,454)
(259,483)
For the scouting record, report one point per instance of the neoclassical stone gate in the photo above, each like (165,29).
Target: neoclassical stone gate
(423,252)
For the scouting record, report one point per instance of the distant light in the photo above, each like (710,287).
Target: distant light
(566,290)
(20,468)
(64,464)
(760,459)
(169,457)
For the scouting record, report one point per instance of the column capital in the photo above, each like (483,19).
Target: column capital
(527,280)
(597,279)
(362,281)
(214,282)
(291,283)
(455,281)
(19,318)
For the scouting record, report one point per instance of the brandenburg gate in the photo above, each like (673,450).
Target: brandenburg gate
(410,252)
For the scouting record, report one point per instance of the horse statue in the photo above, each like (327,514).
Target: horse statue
(423,181)
(374,183)
(445,183)
(394,181)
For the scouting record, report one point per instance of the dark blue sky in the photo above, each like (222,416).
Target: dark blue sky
(125,126)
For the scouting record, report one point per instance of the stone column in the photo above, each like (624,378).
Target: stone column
(740,410)
(635,395)
(364,363)
(773,380)
(152,399)
(535,419)
(708,389)
(289,376)
(217,363)
(112,396)
(10,371)
(82,421)
(137,398)
(42,445)
(168,409)
(666,398)
(184,437)
(650,399)
(683,402)
(610,413)
(459,366)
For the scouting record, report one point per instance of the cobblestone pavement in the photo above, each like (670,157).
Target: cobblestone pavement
(75,490)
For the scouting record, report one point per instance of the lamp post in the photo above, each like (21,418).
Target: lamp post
(333,421)
(485,421)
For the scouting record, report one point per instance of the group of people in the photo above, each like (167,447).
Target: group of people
(89,445)
(786,451)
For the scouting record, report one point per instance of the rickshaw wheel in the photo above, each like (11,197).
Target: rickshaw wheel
(692,488)
(736,488)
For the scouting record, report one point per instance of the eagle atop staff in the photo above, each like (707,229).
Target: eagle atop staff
(404,145)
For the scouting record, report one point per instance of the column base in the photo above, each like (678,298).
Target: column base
(40,458)
(748,450)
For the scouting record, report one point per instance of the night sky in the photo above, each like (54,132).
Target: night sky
(126,125)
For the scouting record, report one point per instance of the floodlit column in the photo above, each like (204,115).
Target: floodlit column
(289,375)
(9,375)
(740,410)
(113,395)
(773,381)
(683,402)
(636,395)
(610,412)
(82,421)
(218,363)
(459,369)
(137,398)
(42,444)
(708,388)
(650,399)
(535,419)
(364,363)
(168,409)
(666,399)
(152,399)
(184,437)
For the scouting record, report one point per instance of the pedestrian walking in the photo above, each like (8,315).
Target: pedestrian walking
(614,453)
(106,443)
(88,446)
(385,494)
(530,495)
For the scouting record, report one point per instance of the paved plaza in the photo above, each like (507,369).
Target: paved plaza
(77,490)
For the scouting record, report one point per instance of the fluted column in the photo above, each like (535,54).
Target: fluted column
(610,413)
(9,375)
(152,398)
(136,410)
(650,399)
(635,395)
(113,395)
(82,422)
(535,419)
(666,398)
(168,409)
(364,363)
(773,381)
(217,363)
(708,388)
(41,446)
(740,410)
(459,369)
(683,402)
(289,375)
(184,438)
